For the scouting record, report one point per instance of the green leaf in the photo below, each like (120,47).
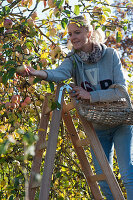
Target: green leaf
(106,13)
(64,22)
(30,58)
(11,197)
(1,29)
(107,33)
(67,12)
(55,105)
(8,52)
(51,86)
(59,3)
(125,28)
(29,45)
(6,10)
(118,36)
(10,62)
(6,46)
(106,9)
(11,73)
(103,28)
(76,10)
(36,80)
(5,78)
(86,7)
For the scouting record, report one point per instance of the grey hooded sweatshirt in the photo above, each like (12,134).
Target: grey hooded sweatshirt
(95,78)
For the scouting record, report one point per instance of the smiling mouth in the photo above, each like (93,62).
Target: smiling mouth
(76,42)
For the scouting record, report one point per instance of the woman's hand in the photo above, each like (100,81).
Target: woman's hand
(30,71)
(79,93)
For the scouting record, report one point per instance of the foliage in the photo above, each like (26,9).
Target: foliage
(26,39)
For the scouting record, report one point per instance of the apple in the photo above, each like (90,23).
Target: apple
(7,105)
(52,32)
(16,124)
(21,69)
(38,103)
(34,15)
(55,53)
(15,99)
(9,1)
(24,2)
(8,23)
(23,105)
(27,100)
(30,22)
(13,105)
(51,3)
(9,31)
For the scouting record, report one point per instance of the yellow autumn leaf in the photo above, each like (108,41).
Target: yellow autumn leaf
(59,26)
(64,33)
(102,19)
(107,2)
(1,24)
(50,13)
(47,34)
(30,3)
(44,55)
(1,140)
(2,129)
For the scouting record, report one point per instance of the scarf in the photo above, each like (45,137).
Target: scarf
(93,56)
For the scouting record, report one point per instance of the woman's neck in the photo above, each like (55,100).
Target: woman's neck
(87,48)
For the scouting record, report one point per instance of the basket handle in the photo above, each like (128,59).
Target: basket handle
(123,90)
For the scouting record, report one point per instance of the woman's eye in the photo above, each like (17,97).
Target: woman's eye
(77,32)
(69,34)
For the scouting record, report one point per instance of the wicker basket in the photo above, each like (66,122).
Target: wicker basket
(108,113)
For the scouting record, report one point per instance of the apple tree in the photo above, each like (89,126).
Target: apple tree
(33,32)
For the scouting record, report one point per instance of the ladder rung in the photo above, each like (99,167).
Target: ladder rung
(99,177)
(47,111)
(36,184)
(68,107)
(36,180)
(83,142)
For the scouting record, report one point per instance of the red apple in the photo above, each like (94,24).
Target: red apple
(30,22)
(23,105)
(8,23)
(7,105)
(27,100)
(34,15)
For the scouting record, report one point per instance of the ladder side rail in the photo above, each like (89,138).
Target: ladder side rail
(39,149)
(50,151)
(101,157)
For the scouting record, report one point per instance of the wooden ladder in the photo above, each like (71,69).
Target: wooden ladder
(78,144)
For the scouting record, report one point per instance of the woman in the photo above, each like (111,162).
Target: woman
(94,68)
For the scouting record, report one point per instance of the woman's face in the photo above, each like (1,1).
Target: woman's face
(79,37)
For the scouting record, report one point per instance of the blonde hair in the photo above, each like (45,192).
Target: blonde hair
(97,35)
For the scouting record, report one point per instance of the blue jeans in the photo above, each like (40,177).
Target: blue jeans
(120,138)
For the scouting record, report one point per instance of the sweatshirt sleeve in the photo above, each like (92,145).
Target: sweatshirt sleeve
(63,72)
(118,78)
